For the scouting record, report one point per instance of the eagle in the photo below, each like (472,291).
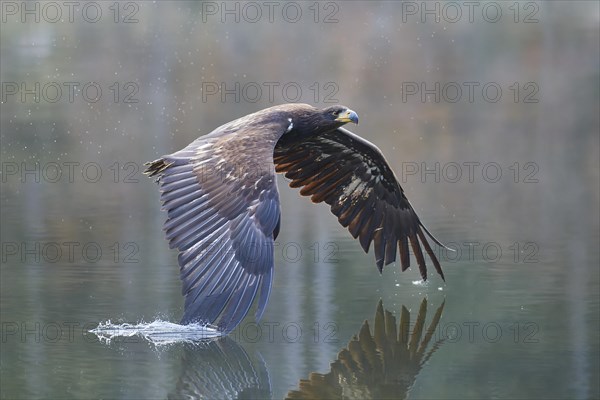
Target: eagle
(223,211)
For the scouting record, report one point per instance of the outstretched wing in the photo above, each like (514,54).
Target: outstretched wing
(222,216)
(351,175)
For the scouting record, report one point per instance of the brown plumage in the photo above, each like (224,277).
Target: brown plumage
(221,197)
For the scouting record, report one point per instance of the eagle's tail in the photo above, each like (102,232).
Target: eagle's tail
(156,167)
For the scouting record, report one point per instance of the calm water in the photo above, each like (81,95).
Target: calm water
(512,183)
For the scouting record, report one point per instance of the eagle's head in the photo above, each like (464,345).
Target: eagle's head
(339,114)
(306,121)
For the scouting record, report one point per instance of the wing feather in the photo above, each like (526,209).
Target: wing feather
(351,175)
(223,224)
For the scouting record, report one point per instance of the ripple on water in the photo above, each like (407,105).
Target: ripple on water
(157,332)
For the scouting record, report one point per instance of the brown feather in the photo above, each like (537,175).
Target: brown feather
(352,176)
(429,251)
(414,242)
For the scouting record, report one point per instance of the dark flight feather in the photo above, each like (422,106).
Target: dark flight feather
(368,198)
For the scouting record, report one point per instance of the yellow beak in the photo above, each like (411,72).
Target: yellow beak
(348,116)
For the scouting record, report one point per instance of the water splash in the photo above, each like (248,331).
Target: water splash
(158,332)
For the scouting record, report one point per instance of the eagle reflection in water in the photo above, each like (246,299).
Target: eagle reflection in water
(381,365)
(378,364)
